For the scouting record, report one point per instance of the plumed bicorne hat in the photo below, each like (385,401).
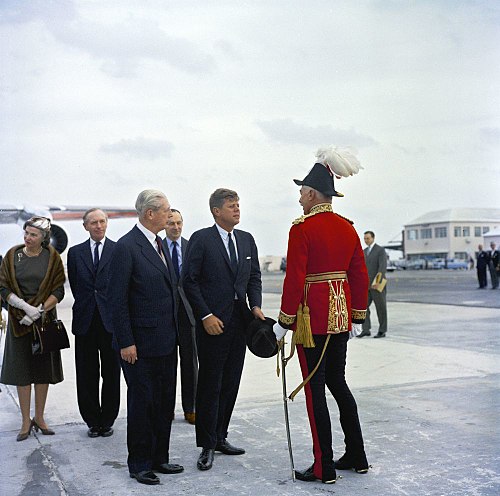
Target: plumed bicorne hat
(331,161)
(260,338)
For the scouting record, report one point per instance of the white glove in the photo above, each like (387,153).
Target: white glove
(32,312)
(26,321)
(356,330)
(279,331)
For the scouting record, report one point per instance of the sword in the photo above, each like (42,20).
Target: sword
(285,407)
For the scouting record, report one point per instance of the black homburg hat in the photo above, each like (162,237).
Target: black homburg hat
(320,178)
(260,338)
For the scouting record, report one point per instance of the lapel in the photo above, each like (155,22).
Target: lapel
(220,246)
(151,255)
(105,256)
(87,256)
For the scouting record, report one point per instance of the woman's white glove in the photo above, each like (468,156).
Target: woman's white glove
(32,312)
(26,321)
(279,331)
(356,330)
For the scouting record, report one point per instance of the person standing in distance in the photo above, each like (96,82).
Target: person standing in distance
(493,258)
(376,261)
(142,310)
(175,247)
(221,271)
(323,302)
(88,271)
(481,265)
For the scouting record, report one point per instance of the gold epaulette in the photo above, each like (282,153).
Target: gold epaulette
(345,218)
(317,209)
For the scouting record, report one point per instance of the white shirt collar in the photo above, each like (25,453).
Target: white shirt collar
(93,243)
(223,232)
(151,236)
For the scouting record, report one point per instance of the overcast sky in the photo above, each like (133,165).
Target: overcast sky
(100,99)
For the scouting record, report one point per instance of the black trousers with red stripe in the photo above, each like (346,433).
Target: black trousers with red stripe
(331,373)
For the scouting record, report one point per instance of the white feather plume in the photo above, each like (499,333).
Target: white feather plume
(341,161)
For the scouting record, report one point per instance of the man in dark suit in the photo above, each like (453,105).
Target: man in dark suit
(88,269)
(493,257)
(175,247)
(481,264)
(221,270)
(142,307)
(376,261)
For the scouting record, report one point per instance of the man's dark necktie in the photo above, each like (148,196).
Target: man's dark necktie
(96,256)
(175,259)
(159,247)
(232,254)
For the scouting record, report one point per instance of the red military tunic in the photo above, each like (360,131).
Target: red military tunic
(325,270)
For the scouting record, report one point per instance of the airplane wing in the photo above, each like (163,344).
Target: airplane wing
(13,217)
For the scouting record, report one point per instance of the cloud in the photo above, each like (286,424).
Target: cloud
(140,147)
(490,135)
(289,132)
(121,46)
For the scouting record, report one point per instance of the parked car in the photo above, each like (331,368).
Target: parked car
(416,264)
(455,263)
(391,266)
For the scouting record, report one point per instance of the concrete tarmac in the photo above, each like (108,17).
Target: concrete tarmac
(427,397)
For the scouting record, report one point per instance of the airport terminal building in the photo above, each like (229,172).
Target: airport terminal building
(453,233)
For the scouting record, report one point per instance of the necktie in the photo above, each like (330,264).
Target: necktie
(96,256)
(159,246)
(175,258)
(232,254)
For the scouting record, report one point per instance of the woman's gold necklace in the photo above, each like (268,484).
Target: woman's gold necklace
(25,251)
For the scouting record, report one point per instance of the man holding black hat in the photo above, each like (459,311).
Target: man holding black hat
(324,298)
(221,271)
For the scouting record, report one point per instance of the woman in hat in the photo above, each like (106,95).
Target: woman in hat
(31,282)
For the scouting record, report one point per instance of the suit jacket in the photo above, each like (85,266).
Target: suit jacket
(376,261)
(182,299)
(482,259)
(494,257)
(208,280)
(89,289)
(141,295)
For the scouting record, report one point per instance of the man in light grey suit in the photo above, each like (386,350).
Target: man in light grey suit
(376,261)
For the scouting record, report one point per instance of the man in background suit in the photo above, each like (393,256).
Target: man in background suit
(142,307)
(493,257)
(221,270)
(481,264)
(376,261)
(88,269)
(175,247)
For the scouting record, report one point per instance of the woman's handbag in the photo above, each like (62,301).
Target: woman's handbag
(49,336)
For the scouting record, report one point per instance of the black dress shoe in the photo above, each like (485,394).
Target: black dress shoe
(206,459)
(364,333)
(106,431)
(228,449)
(380,335)
(93,432)
(308,476)
(146,477)
(345,462)
(168,468)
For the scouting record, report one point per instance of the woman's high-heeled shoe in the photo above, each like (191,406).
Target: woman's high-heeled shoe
(22,436)
(45,432)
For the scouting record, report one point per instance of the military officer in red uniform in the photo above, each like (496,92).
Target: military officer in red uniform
(324,299)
